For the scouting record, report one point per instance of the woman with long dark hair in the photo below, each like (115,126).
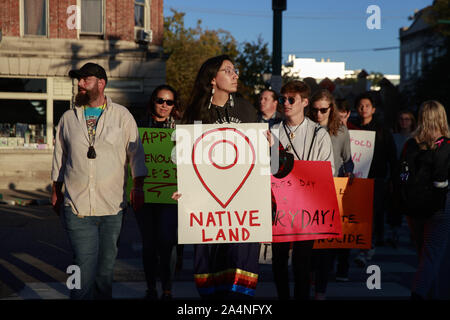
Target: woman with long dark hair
(158,221)
(222,271)
(214,98)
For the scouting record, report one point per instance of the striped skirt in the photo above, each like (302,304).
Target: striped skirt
(226,270)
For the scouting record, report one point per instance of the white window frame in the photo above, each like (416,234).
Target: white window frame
(147,17)
(22,21)
(81,32)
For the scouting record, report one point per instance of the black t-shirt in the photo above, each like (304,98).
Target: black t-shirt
(237,110)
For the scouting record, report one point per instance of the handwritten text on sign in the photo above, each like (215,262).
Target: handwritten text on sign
(362,145)
(356,207)
(161,181)
(225,198)
(307,206)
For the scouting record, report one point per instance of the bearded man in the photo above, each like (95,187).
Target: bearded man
(94,144)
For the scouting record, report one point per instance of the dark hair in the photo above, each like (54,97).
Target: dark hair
(365,95)
(297,86)
(197,108)
(274,93)
(342,105)
(151,103)
(333,119)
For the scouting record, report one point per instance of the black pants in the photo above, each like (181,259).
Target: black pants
(158,226)
(301,265)
(321,264)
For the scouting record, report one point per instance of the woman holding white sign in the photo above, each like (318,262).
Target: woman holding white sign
(222,271)
(323,110)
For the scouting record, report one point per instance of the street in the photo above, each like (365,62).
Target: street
(35,255)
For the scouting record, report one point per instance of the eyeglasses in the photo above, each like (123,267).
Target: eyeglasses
(161,101)
(230,71)
(282,100)
(321,110)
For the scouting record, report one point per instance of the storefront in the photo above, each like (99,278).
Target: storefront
(30,108)
(30,111)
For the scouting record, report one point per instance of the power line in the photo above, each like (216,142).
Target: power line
(295,16)
(344,50)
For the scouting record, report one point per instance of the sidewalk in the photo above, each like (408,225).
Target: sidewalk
(24,197)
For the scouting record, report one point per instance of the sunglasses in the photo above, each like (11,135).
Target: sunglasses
(282,100)
(161,101)
(321,110)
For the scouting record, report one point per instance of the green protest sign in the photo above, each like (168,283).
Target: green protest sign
(161,180)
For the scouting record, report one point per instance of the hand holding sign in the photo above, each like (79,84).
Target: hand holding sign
(176,195)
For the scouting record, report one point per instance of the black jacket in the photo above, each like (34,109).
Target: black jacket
(384,158)
(430,177)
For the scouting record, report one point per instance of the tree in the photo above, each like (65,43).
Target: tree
(253,61)
(188,48)
(439,17)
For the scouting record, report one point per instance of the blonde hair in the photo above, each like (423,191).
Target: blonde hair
(432,123)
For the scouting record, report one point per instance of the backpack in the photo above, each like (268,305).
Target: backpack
(415,181)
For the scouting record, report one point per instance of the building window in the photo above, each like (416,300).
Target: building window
(23,85)
(92,17)
(139,13)
(23,122)
(407,65)
(142,21)
(419,63)
(413,66)
(430,54)
(35,17)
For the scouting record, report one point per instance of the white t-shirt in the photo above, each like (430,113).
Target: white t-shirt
(321,149)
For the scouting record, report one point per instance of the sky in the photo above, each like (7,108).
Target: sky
(328,29)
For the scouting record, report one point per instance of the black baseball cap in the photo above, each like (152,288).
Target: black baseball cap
(89,69)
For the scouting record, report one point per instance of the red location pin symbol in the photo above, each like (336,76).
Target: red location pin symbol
(223,159)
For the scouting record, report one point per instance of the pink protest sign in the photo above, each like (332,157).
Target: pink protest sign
(307,206)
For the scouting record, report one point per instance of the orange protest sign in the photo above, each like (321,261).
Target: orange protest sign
(356,208)
(307,207)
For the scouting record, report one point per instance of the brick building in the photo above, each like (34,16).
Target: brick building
(40,41)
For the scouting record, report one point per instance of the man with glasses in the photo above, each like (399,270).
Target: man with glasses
(94,144)
(306,140)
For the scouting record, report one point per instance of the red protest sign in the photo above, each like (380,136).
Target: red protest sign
(307,206)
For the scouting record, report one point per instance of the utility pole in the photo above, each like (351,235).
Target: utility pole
(278,6)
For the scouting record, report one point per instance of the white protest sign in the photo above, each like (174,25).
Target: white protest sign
(223,174)
(362,144)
